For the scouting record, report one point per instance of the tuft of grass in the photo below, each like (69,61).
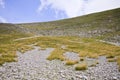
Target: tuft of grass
(82,66)
(71,62)
(56,54)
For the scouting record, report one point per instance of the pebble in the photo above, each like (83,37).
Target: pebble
(115,78)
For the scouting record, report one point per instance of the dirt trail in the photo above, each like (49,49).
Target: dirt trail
(116,44)
(26,38)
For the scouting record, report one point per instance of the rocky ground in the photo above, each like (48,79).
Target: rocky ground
(33,65)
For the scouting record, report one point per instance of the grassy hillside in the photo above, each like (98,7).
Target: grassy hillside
(8,48)
(79,35)
(8,28)
(103,25)
(9,32)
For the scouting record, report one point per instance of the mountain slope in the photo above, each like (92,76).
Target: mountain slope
(65,40)
(103,24)
(8,32)
(7,28)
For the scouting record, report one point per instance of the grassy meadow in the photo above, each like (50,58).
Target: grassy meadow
(85,47)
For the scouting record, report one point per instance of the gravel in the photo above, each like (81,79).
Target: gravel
(33,65)
(71,56)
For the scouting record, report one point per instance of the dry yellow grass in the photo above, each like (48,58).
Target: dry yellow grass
(82,66)
(71,62)
(25,48)
(110,55)
(42,49)
(85,47)
(83,54)
(56,54)
(1,62)
(93,55)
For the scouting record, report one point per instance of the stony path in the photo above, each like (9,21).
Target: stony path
(33,65)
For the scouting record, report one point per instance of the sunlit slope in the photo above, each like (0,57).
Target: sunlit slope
(103,24)
(68,35)
(10,31)
(8,28)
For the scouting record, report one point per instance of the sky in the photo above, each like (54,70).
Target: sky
(27,11)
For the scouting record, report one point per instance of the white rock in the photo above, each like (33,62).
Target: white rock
(115,78)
